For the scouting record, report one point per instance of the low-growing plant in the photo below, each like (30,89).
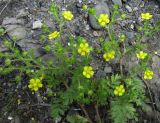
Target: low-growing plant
(69,78)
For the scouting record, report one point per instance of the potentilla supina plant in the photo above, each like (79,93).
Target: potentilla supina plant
(109,55)
(146,16)
(35,84)
(148,74)
(84,48)
(53,35)
(103,20)
(88,71)
(84,7)
(119,90)
(67,15)
(141,55)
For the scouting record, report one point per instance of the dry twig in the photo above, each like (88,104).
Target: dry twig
(5,6)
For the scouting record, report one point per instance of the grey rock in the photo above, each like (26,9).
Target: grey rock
(132,62)
(19,32)
(17,119)
(10,21)
(101,8)
(47,57)
(156,17)
(156,64)
(22,13)
(37,24)
(129,9)
(3,1)
(100,73)
(130,35)
(29,44)
(12,27)
(118,2)
(108,69)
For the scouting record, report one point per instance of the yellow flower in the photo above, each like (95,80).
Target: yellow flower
(141,55)
(103,19)
(67,15)
(109,55)
(88,71)
(119,91)
(148,74)
(35,84)
(53,35)
(146,16)
(84,48)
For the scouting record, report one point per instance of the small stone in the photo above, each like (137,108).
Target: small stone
(157,17)
(97,34)
(100,73)
(10,118)
(130,35)
(129,9)
(37,24)
(132,26)
(87,27)
(107,69)
(135,9)
(156,63)
(101,8)
(142,4)
(118,2)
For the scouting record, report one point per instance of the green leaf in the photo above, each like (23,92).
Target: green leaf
(77,119)
(122,111)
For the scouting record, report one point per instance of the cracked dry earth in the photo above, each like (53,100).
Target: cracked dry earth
(24,18)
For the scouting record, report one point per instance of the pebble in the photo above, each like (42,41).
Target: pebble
(87,27)
(130,35)
(135,9)
(108,69)
(129,9)
(97,33)
(37,24)
(132,26)
(100,73)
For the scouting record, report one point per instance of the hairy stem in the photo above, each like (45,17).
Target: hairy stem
(97,113)
(81,106)
(85,112)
